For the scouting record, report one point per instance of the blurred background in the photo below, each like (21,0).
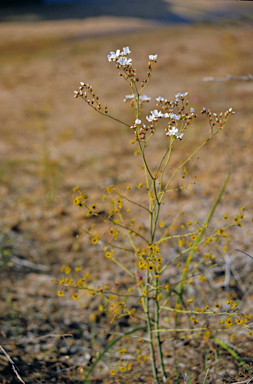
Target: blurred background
(51,142)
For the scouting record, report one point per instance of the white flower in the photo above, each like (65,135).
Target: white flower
(114,55)
(152,57)
(175,117)
(128,97)
(82,84)
(180,135)
(150,119)
(124,61)
(172,116)
(172,132)
(154,115)
(145,98)
(126,51)
(179,96)
(159,99)
(137,121)
(192,110)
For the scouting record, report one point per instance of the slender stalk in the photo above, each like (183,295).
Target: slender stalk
(158,340)
(232,352)
(150,335)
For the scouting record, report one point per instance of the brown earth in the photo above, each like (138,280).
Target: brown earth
(51,142)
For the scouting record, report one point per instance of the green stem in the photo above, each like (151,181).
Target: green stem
(231,351)
(150,335)
(158,340)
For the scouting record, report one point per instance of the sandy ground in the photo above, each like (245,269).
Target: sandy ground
(50,142)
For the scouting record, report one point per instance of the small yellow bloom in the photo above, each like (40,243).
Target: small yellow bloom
(60,293)
(181,242)
(229,321)
(75,296)
(162,224)
(76,188)
(94,240)
(109,189)
(76,200)
(113,372)
(140,185)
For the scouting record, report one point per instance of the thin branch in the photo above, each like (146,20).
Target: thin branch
(13,365)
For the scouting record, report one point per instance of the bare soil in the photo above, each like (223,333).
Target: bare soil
(51,142)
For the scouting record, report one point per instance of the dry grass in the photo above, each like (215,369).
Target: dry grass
(50,142)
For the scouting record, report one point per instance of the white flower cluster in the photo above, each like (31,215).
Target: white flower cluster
(155,115)
(121,57)
(180,96)
(174,132)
